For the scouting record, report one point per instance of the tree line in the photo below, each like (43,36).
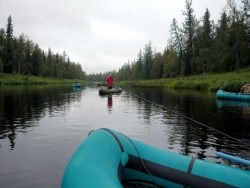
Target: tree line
(20,55)
(196,47)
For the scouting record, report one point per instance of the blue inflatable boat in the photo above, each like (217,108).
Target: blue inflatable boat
(232,96)
(76,85)
(110,159)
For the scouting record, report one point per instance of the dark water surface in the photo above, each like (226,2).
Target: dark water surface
(41,126)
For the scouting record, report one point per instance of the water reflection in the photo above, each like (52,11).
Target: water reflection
(161,111)
(228,103)
(55,120)
(188,116)
(110,102)
(22,107)
(77,89)
(109,98)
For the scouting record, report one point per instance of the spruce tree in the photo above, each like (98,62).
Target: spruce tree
(189,27)
(9,48)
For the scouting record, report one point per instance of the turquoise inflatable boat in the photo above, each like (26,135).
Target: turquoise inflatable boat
(110,159)
(76,85)
(232,96)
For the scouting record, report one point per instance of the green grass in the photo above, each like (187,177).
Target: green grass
(13,79)
(231,81)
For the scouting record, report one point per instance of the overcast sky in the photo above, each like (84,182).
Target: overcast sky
(101,35)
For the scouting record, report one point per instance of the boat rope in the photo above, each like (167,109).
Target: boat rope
(143,165)
(191,119)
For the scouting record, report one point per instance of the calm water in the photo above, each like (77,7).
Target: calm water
(41,127)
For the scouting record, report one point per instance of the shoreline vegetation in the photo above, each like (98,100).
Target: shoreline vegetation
(230,81)
(14,79)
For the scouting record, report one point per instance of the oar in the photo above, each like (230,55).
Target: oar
(233,158)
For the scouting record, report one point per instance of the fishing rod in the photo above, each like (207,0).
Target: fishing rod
(191,119)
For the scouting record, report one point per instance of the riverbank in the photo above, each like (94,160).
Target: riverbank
(231,81)
(13,79)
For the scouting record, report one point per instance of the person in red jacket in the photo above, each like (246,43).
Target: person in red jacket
(109,81)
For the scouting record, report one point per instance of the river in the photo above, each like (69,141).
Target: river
(41,126)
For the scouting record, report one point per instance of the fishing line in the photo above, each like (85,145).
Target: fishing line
(191,119)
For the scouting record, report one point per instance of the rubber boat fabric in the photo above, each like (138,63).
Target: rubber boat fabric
(233,96)
(107,158)
(106,90)
(76,85)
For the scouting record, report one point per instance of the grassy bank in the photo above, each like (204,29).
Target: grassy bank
(231,81)
(12,79)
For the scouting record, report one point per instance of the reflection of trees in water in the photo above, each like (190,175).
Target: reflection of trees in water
(22,107)
(192,138)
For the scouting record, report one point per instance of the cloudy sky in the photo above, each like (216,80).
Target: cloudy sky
(101,35)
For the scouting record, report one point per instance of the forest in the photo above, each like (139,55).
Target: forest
(20,55)
(197,46)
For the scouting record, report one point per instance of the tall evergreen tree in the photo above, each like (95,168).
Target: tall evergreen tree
(9,48)
(189,27)
(246,11)
(157,66)
(177,44)
(27,67)
(9,30)
(49,62)
(246,15)
(36,60)
(206,41)
(147,60)
(171,67)
(238,37)
(221,44)
(2,52)
(138,66)
(20,53)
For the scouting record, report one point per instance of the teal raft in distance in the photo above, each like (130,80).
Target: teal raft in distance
(232,96)
(110,159)
(76,85)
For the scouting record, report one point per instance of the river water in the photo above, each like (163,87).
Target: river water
(42,126)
